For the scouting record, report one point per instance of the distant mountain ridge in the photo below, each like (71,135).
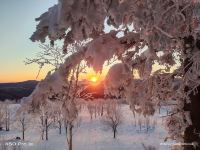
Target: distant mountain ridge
(17,90)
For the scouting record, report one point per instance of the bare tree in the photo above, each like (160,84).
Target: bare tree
(66,125)
(50,55)
(58,116)
(70,109)
(7,114)
(140,123)
(23,119)
(41,126)
(102,107)
(68,105)
(71,101)
(113,118)
(23,122)
(96,107)
(90,109)
(70,114)
(147,122)
(46,119)
(2,113)
(59,120)
(154,123)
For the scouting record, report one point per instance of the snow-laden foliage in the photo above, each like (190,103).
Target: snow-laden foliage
(158,26)
(119,76)
(102,49)
(160,23)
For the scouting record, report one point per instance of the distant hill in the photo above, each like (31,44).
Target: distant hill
(23,89)
(17,90)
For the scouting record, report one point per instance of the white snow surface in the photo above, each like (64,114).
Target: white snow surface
(94,135)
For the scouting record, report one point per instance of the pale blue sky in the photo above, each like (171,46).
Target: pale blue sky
(17,23)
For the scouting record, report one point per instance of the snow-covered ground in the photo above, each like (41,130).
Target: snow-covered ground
(94,135)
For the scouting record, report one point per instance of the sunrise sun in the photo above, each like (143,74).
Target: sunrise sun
(93,79)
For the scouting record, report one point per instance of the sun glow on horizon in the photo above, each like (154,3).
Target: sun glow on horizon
(94,79)
(92,76)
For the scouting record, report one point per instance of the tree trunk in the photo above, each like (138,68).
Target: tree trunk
(42,123)
(60,127)
(70,136)
(42,134)
(7,129)
(95,112)
(23,135)
(66,127)
(23,132)
(46,128)
(114,132)
(7,121)
(191,132)
(102,111)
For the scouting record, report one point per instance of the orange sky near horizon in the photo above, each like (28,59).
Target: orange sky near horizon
(29,72)
(23,73)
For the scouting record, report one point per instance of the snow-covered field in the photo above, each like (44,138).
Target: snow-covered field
(95,135)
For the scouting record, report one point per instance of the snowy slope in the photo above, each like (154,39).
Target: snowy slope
(94,135)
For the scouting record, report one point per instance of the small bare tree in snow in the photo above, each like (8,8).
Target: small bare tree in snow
(90,108)
(99,103)
(41,126)
(140,123)
(70,102)
(154,123)
(95,107)
(46,119)
(23,119)
(113,118)
(58,116)
(7,114)
(2,114)
(147,123)
(70,107)
(102,107)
